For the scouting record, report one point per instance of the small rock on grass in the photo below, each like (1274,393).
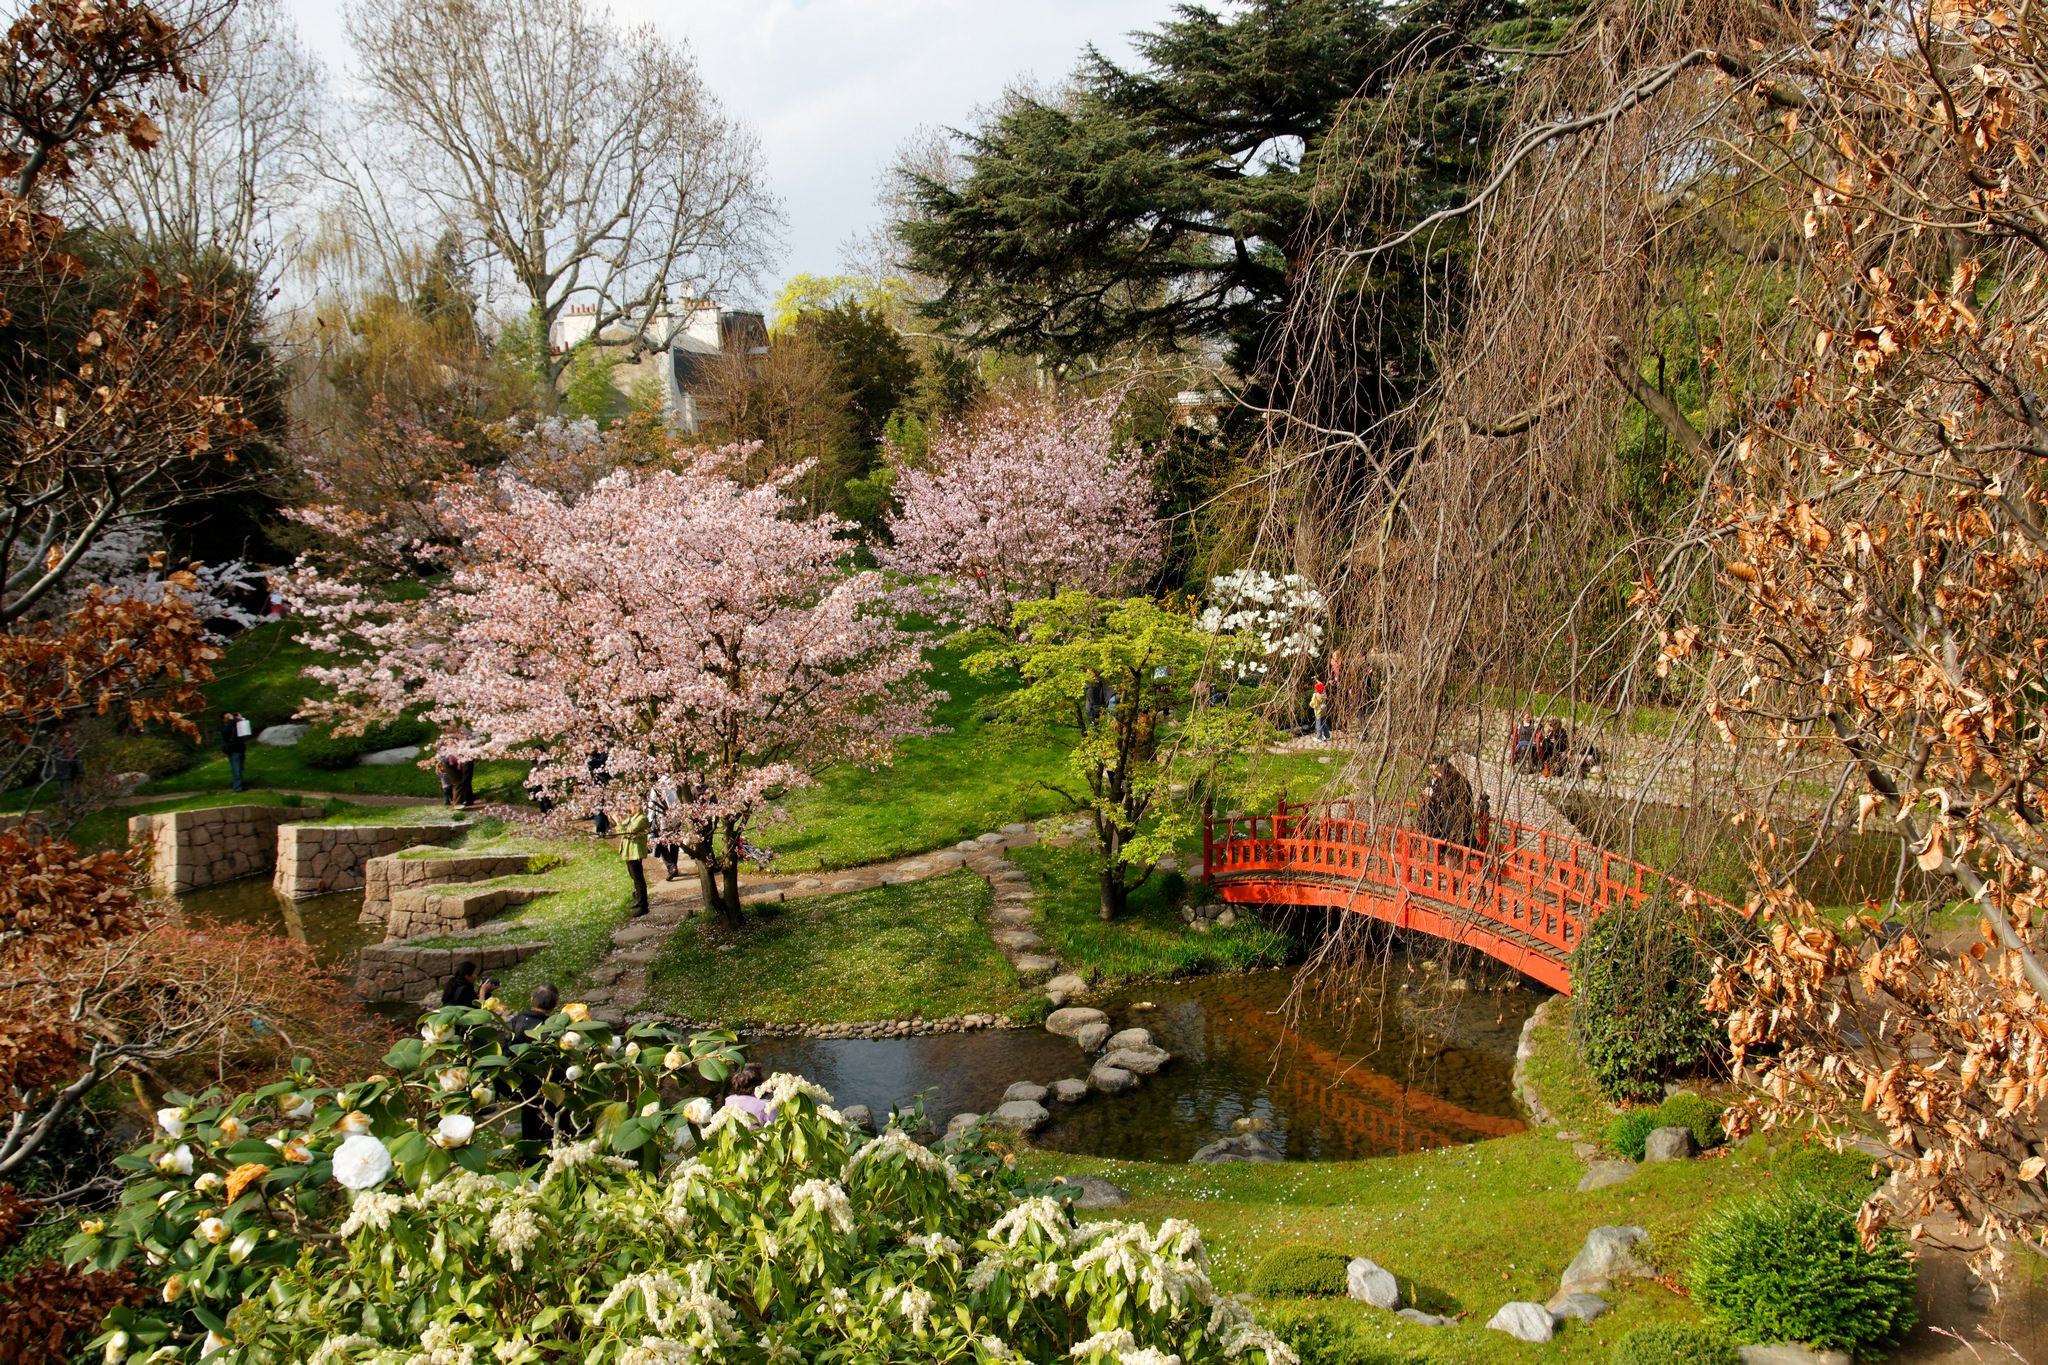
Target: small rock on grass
(1422,1319)
(1524,1322)
(1609,1252)
(1601,1174)
(1368,1283)
(1669,1144)
(1584,1307)
(1789,1353)
(960,1123)
(1092,1192)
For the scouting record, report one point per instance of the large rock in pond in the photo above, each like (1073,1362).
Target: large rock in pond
(1091,1037)
(1069,1091)
(1020,1116)
(1110,1080)
(859,1116)
(1524,1322)
(1668,1144)
(1142,1061)
(1068,1021)
(1368,1283)
(1129,1037)
(1609,1254)
(959,1124)
(1243,1147)
(1025,1090)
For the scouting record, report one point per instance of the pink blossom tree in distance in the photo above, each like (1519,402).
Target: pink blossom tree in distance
(1022,500)
(673,620)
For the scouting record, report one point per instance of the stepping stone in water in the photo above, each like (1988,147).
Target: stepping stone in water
(1065,1023)
(1030,1091)
(1091,1037)
(1022,1116)
(1069,1091)
(1243,1147)
(1130,1037)
(1111,1080)
(1142,1061)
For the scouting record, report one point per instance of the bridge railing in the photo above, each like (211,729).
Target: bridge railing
(1534,882)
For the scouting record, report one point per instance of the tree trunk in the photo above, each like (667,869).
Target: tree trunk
(1114,894)
(729,894)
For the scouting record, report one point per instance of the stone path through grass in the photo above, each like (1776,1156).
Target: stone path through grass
(618,983)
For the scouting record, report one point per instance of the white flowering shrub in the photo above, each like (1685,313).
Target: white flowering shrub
(1282,615)
(399,1221)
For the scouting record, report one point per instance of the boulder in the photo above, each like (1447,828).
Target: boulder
(390,758)
(1368,1283)
(1790,1353)
(1068,1091)
(1422,1319)
(1020,1116)
(859,1116)
(1524,1322)
(1129,1037)
(1243,1147)
(1110,1080)
(1604,1173)
(1091,1192)
(1091,1037)
(1584,1307)
(1069,1021)
(1065,987)
(959,1124)
(1143,1061)
(1029,1091)
(1609,1253)
(1669,1144)
(282,736)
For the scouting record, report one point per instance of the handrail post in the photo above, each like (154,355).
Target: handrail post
(1208,840)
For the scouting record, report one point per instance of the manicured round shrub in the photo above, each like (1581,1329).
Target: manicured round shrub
(151,754)
(1790,1267)
(323,749)
(1697,1113)
(1637,978)
(1630,1131)
(1298,1270)
(1673,1343)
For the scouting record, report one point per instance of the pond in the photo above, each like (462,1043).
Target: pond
(1378,1075)
(326,923)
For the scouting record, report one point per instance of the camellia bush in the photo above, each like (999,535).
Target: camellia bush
(399,1220)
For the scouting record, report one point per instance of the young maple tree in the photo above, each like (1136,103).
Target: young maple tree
(673,620)
(1024,499)
(1160,733)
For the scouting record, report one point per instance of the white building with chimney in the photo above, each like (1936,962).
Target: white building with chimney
(685,339)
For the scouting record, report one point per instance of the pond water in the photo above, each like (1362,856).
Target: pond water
(1321,1082)
(326,923)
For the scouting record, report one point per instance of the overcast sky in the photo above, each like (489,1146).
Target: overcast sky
(833,87)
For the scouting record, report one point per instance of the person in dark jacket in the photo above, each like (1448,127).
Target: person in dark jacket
(1094,699)
(536,1119)
(235,745)
(461,987)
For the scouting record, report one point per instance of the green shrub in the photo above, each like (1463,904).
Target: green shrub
(1843,1176)
(1298,1270)
(1790,1267)
(1637,978)
(1674,1344)
(1628,1133)
(1320,1338)
(152,754)
(1697,1113)
(322,748)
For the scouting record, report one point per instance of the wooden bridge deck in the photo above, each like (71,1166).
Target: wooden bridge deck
(1525,900)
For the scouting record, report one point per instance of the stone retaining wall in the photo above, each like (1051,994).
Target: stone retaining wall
(191,849)
(385,877)
(430,913)
(317,860)
(416,975)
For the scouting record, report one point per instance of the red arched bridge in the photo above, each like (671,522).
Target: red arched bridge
(1524,899)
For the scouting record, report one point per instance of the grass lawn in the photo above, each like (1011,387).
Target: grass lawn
(1561,1079)
(880,954)
(1466,1229)
(938,792)
(1149,940)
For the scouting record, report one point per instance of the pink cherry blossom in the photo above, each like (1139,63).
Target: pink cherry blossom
(1026,499)
(680,623)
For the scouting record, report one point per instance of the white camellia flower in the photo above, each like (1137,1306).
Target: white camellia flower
(173,1287)
(632,1049)
(577,1011)
(454,1078)
(454,1130)
(233,1129)
(571,1041)
(698,1111)
(214,1342)
(214,1230)
(208,1182)
(574,1073)
(361,1162)
(650,1109)
(612,1044)
(116,1349)
(481,1094)
(177,1161)
(172,1121)
(673,1059)
(295,1106)
(354,1121)
(433,1033)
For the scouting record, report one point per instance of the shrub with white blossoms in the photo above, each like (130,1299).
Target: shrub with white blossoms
(1281,615)
(642,1238)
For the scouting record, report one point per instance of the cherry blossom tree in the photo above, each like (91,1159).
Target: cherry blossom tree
(1024,500)
(674,620)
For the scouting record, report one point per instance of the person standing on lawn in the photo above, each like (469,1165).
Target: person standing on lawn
(633,851)
(234,742)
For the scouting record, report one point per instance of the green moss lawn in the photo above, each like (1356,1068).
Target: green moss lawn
(880,954)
